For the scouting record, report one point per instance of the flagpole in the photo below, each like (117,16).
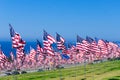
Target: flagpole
(44,63)
(60,69)
(14,65)
(54,62)
(85,66)
(92,61)
(93,67)
(75,66)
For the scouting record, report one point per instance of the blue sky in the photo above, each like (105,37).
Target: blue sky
(94,18)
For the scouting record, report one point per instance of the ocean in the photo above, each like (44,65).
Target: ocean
(7,47)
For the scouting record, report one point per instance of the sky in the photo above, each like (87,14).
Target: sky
(94,18)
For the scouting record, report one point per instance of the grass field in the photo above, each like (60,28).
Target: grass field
(109,70)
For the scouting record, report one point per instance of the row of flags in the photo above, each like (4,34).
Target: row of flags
(85,49)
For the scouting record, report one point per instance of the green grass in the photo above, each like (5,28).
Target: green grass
(109,70)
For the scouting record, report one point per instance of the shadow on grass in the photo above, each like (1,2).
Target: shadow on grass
(73,76)
(111,69)
(83,79)
(36,78)
(52,76)
(117,76)
(98,73)
(114,79)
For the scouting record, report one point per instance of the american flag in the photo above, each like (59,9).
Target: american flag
(94,47)
(48,37)
(45,40)
(60,42)
(32,54)
(39,47)
(20,53)
(51,40)
(17,41)
(92,44)
(103,48)
(89,39)
(48,40)
(69,45)
(79,43)
(3,58)
(113,49)
(85,45)
(21,44)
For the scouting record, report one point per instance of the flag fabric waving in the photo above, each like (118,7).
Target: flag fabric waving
(17,41)
(79,43)
(60,42)
(39,47)
(48,40)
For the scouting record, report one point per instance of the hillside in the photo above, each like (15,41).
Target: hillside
(109,70)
